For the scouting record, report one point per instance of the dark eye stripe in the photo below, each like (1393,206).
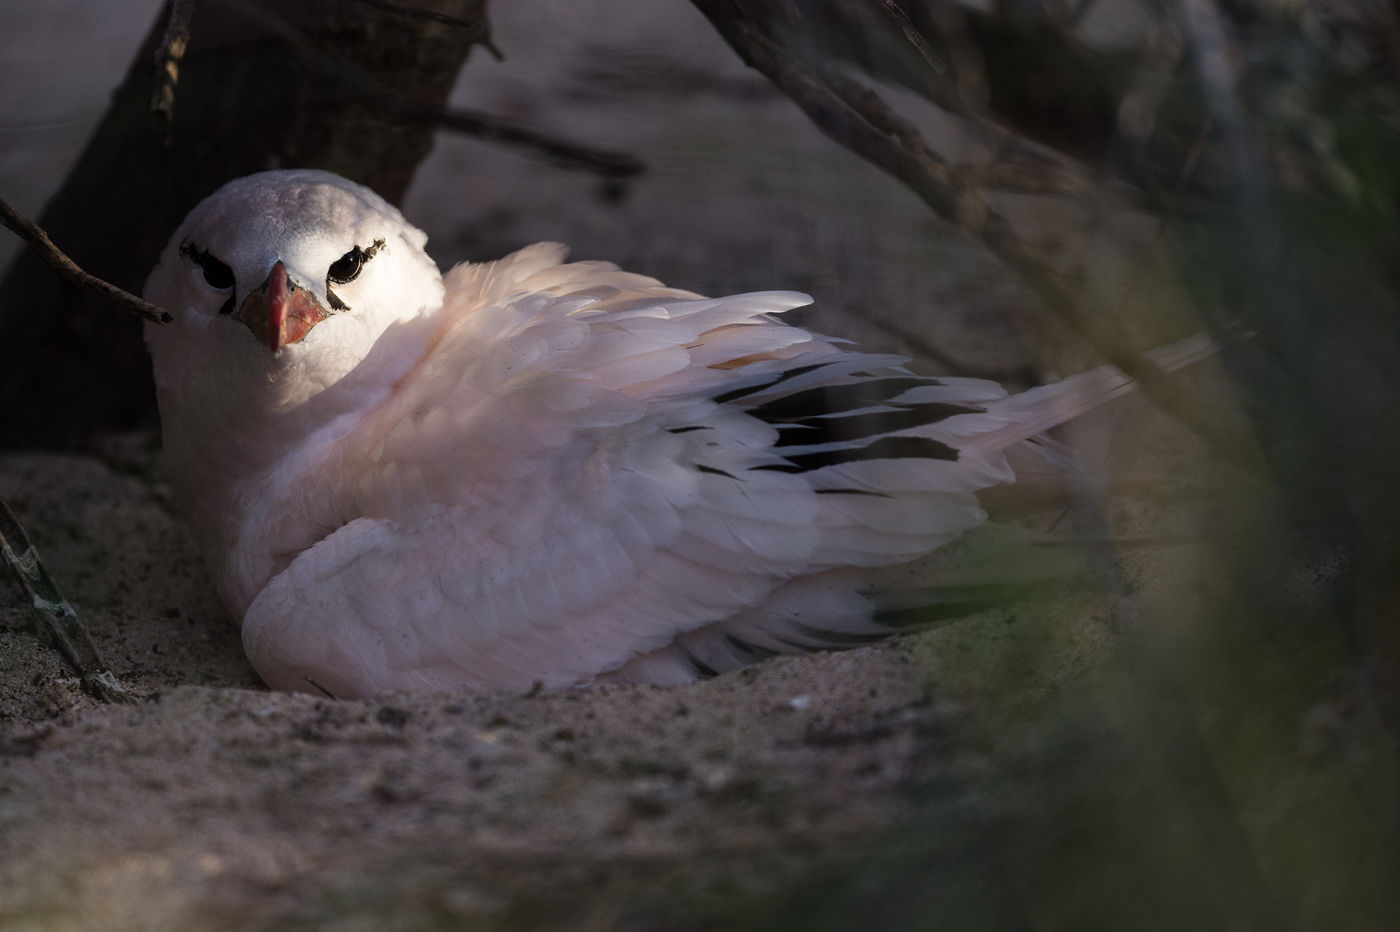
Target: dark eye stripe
(348,267)
(216,273)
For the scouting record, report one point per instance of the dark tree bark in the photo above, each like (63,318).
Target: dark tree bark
(263,84)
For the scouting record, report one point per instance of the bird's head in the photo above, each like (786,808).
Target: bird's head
(281,284)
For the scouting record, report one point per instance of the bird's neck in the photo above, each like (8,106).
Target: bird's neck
(265,474)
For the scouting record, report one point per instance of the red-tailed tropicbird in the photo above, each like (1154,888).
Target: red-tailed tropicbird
(532,471)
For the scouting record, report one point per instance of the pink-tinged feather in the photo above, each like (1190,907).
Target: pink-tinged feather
(538,471)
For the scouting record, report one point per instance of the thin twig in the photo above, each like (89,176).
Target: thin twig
(912,34)
(859,119)
(481,27)
(57,616)
(960,86)
(1018,178)
(28,231)
(168,58)
(498,129)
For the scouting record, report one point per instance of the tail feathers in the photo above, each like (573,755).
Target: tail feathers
(1023,416)
(989,567)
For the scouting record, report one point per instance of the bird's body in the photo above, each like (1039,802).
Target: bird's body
(533,471)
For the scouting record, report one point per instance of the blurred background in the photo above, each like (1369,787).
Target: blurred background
(1205,737)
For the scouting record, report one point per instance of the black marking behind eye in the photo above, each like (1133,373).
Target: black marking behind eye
(348,267)
(216,273)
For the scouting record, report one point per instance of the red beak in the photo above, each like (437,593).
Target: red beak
(280,312)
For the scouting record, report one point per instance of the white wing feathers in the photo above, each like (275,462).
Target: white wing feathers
(1026,414)
(592,472)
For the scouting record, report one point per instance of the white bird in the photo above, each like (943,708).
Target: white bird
(538,472)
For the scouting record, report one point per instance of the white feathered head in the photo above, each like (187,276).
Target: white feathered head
(281,283)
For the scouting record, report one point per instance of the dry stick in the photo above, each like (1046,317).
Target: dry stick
(858,119)
(1015,178)
(57,616)
(28,231)
(914,37)
(499,129)
(960,92)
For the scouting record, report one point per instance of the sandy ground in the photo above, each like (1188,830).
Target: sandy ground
(211,803)
(734,802)
(1062,762)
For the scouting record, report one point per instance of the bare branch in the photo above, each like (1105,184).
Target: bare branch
(1023,179)
(912,34)
(57,616)
(859,119)
(28,231)
(499,129)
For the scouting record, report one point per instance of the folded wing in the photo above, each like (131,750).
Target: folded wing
(589,466)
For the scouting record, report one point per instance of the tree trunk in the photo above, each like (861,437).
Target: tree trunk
(264,84)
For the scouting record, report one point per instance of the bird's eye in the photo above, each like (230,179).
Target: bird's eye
(216,273)
(348,267)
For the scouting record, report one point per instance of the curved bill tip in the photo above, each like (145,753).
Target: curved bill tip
(280,312)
